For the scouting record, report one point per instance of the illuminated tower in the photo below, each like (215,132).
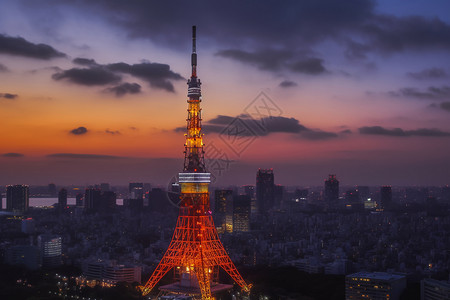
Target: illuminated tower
(195,252)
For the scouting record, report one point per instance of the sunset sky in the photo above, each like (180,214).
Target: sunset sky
(95,91)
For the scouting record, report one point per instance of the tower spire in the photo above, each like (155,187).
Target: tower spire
(194,52)
(193,153)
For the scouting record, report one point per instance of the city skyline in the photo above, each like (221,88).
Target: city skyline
(96,93)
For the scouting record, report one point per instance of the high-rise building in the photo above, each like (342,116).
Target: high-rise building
(265,190)
(431,289)
(51,250)
(223,212)
(108,201)
(278,195)
(385,197)
(241,213)
(331,191)
(79,200)
(105,187)
(377,285)
(62,198)
(28,226)
(92,199)
(136,190)
(17,198)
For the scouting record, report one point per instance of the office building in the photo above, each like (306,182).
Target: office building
(377,285)
(62,198)
(51,250)
(17,198)
(241,213)
(331,191)
(108,201)
(105,187)
(79,200)
(223,210)
(385,197)
(28,226)
(431,289)
(111,272)
(136,190)
(92,199)
(265,190)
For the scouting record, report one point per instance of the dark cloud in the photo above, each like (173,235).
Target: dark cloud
(12,155)
(317,135)
(275,60)
(270,60)
(356,25)
(356,50)
(311,66)
(432,73)
(79,131)
(226,125)
(389,34)
(445,106)
(3,68)
(346,131)
(125,88)
(90,77)
(378,130)
(84,62)
(8,96)
(287,83)
(112,132)
(431,93)
(82,156)
(156,74)
(21,47)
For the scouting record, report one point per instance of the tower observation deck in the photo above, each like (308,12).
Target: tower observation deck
(195,252)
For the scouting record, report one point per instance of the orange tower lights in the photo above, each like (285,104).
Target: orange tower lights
(195,250)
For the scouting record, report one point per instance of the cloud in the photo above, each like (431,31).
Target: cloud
(125,88)
(112,132)
(310,66)
(20,47)
(3,68)
(398,132)
(84,62)
(287,83)
(13,155)
(156,74)
(445,106)
(226,125)
(432,73)
(431,93)
(8,96)
(90,77)
(82,156)
(79,131)
(269,60)
(275,60)
(390,34)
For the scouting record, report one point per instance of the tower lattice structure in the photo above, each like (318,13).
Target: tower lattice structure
(195,249)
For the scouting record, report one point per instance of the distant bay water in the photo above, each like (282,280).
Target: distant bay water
(36,202)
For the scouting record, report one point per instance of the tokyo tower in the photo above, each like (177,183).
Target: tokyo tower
(195,252)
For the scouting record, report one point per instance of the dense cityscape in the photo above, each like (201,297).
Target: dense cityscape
(101,235)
